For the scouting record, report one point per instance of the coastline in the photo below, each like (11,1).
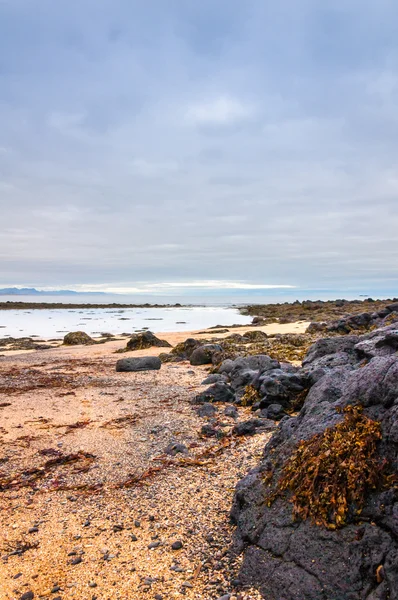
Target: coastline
(106,514)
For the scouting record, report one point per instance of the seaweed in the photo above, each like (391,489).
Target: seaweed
(329,475)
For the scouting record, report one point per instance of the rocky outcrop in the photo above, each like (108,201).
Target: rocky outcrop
(142,341)
(354,556)
(358,322)
(78,338)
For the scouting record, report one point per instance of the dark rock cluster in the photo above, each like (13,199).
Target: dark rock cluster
(291,559)
(358,322)
(260,381)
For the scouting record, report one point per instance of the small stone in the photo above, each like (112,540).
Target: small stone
(92,584)
(117,528)
(27,596)
(177,545)
(55,589)
(33,530)
(76,561)
(137,524)
(158,597)
(153,545)
(134,538)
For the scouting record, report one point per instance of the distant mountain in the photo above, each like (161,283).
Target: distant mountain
(34,292)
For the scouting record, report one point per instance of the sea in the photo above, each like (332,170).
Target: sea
(197,311)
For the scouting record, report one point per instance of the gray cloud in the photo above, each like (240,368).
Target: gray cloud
(184,141)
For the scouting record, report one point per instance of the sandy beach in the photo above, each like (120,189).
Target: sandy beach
(92,504)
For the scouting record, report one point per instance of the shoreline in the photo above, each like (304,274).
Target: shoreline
(173,337)
(107,514)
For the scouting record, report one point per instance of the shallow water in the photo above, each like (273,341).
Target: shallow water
(54,323)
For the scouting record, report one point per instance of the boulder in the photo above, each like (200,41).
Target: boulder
(141,341)
(316,327)
(78,338)
(185,349)
(206,410)
(203,354)
(219,392)
(254,336)
(293,556)
(143,363)
(275,412)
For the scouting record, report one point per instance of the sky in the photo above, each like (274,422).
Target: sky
(154,143)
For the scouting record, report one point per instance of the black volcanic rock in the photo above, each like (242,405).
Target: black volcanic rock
(141,341)
(203,354)
(292,559)
(143,363)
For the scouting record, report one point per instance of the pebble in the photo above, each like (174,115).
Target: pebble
(33,530)
(27,596)
(76,561)
(177,545)
(55,589)
(92,584)
(133,538)
(153,545)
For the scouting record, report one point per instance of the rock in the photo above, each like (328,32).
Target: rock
(203,354)
(392,307)
(168,357)
(254,336)
(258,320)
(275,412)
(78,338)
(141,341)
(175,448)
(210,431)
(326,346)
(231,411)
(177,545)
(185,349)
(206,410)
(292,558)
(279,387)
(252,426)
(27,596)
(212,379)
(315,327)
(219,392)
(143,363)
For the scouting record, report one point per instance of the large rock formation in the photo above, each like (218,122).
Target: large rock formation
(354,555)
(141,341)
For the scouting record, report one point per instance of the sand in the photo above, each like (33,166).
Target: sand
(86,480)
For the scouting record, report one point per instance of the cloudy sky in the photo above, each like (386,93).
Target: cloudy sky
(146,143)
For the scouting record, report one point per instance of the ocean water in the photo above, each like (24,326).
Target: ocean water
(55,323)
